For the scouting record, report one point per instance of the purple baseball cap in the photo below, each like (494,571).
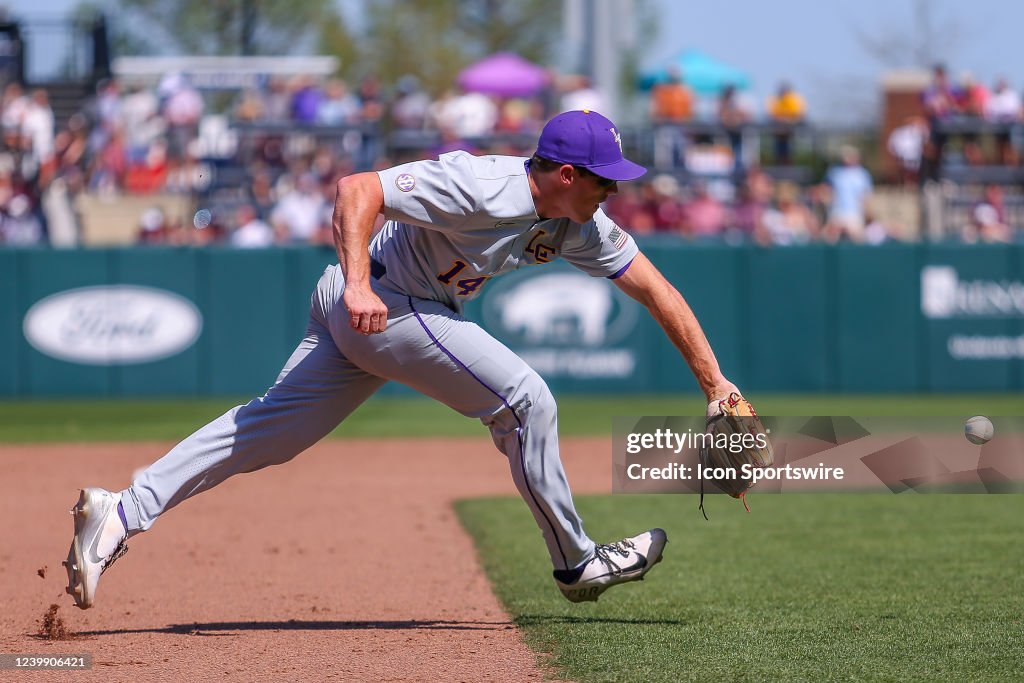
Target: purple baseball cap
(585,138)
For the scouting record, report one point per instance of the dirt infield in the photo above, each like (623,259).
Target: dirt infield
(346,564)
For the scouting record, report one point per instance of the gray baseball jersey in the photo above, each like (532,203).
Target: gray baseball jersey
(454,223)
(480,222)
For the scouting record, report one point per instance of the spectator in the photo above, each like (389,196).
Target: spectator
(733,115)
(468,115)
(150,174)
(412,106)
(250,107)
(306,101)
(672,100)
(907,143)
(516,115)
(20,227)
(339,107)
(581,94)
(972,101)
(109,165)
(250,232)
(671,105)
(993,196)
(786,109)
(277,104)
(261,193)
(182,108)
(71,153)
(371,104)
(789,221)
(13,106)
(704,216)
(985,226)
(940,105)
(629,210)
(746,221)
(851,189)
(371,113)
(37,129)
(875,230)
(141,121)
(1004,107)
(105,114)
(297,216)
(818,199)
(971,97)
(154,227)
(668,212)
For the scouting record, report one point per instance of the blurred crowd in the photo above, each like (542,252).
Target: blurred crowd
(758,209)
(266,162)
(954,114)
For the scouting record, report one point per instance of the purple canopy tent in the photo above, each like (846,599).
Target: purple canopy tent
(504,74)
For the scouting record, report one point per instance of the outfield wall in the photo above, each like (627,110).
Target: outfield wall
(192,322)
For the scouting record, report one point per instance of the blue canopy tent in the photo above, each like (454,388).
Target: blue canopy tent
(706,76)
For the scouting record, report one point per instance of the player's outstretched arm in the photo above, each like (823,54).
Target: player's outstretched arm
(645,283)
(360,198)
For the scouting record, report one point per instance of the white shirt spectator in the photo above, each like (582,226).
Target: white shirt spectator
(299,212)
(906,143)
(470,115)
(15,105)
(139,114)
(583,98)
(37,126)
(1004,104)
(253,235)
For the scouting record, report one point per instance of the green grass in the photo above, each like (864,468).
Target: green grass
(172,420)
(807,587)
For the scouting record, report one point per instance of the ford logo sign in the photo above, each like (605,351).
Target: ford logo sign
(114,325)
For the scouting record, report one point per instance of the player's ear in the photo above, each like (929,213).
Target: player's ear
(566,174)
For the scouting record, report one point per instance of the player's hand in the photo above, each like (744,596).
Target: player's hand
(367,313)
(718,392)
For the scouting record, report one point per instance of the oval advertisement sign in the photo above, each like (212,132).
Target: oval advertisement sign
(112,325)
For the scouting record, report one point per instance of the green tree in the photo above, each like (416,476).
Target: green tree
(221,27)
(435,40)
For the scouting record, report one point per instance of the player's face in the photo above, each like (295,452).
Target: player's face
(591,191)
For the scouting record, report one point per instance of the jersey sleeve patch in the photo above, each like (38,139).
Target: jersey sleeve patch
(405,182)
(618,237)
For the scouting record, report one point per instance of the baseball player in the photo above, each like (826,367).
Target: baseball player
(391,310)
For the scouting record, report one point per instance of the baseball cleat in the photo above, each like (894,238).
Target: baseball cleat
(614,563)
(99,540)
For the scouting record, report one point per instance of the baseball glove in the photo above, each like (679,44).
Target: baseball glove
(734,445)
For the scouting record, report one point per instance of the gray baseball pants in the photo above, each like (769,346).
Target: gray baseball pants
(335,368)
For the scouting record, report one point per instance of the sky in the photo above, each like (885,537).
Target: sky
(812,43)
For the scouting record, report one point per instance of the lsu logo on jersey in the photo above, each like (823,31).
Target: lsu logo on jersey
(405,182)
(542,252)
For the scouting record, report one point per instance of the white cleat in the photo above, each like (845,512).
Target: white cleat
(99,540)
(614,563)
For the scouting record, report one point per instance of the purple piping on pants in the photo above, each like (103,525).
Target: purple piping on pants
(522,449)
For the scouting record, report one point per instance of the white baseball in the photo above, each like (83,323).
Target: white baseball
(979,430)
(202,218)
